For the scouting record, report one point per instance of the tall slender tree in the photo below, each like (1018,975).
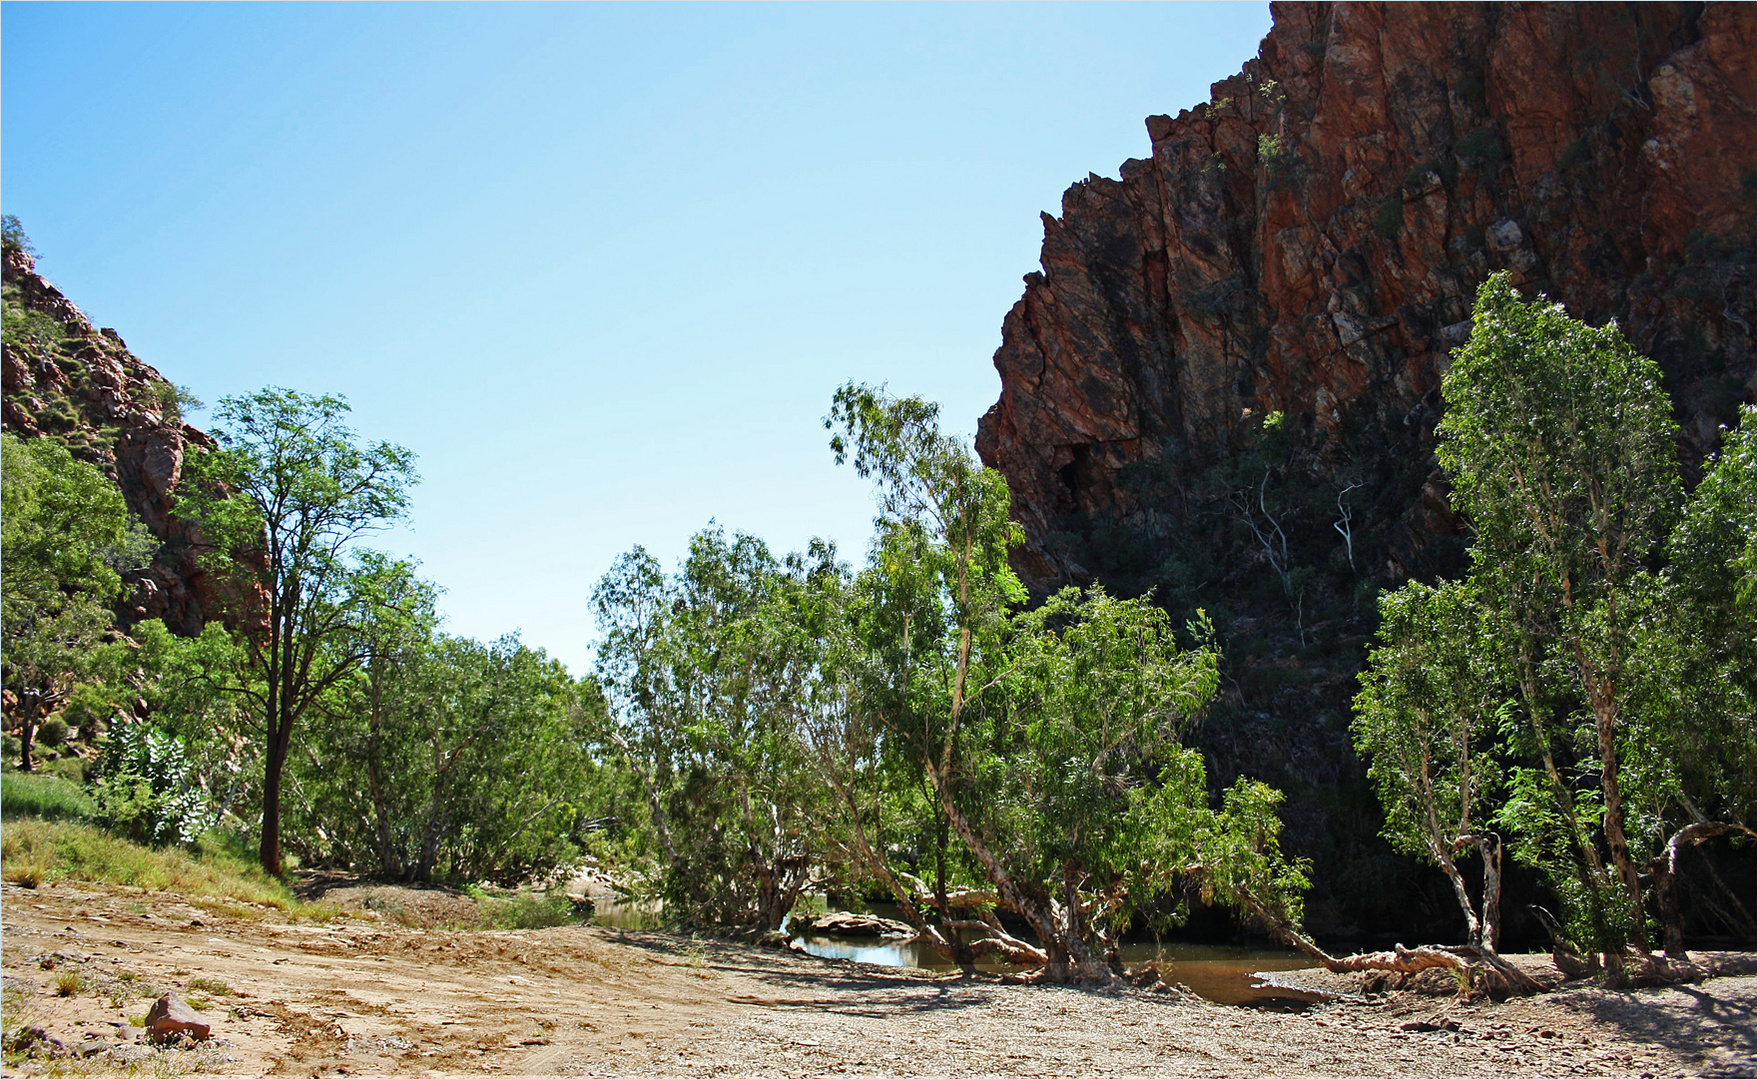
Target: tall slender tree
(1427,719)
(1562,449)
(1046,740)
(283,500)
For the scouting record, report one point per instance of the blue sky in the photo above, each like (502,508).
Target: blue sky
(600,265)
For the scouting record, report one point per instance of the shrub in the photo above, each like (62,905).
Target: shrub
(149,790)
(171,399)
(1480,150)
(53,732)
(72,769)
(528,911)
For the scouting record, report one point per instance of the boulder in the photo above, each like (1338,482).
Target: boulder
(856,924)
(171,1017)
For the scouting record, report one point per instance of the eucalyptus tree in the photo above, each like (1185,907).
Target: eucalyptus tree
(282,501)
(1426,720)
(357,790)
(1046,739)
(1697,721)
(502,733)
(446,759)
(708,672)
(65,533)
(1562,450)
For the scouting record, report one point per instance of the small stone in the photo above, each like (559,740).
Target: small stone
(171,1016)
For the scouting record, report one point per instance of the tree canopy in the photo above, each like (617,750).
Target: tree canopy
(65,535)
(1569,690)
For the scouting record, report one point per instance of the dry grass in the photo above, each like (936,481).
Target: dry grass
(35,852)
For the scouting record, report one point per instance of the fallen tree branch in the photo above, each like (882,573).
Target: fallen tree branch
(1476,969)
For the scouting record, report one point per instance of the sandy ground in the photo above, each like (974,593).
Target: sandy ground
(362,996)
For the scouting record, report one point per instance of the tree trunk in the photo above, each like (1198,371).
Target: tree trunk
(1488,933)
(30,706)
(961,952)
(1068,958)
(1666,867)
(390,865)
(1473,925)
(1492,894)
(1614,827)
(1476,969)
(269,850)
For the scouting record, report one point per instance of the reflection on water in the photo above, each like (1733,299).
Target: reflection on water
(625,914)
(1221,973)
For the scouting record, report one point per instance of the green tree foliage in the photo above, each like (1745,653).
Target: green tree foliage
(1561,445)
(1700,643)
(442,758)
(709,672)
(12,236)
(1426,719)
(184,685)
(1045,741)
(283,499)
(65,535)
(1621,696)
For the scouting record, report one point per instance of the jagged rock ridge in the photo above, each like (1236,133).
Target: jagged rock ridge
(1310,241)
(65,378)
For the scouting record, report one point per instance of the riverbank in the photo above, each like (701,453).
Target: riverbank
(358,994)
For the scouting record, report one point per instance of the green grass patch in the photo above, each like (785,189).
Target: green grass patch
(528,911)
(35,852)
(43,795)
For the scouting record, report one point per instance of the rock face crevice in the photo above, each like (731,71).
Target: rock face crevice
(62,377)
(1310,242)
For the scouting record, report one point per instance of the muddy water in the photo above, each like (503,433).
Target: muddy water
(626,915)
(1221,973)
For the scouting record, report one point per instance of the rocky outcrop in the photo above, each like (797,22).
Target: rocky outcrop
(65,378)
(1223,384)
(1310,241)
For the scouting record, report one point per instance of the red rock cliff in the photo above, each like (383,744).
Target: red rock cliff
(64,377)
(1310,241)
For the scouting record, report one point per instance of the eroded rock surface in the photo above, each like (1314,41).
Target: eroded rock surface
(1310,241)
(67,378)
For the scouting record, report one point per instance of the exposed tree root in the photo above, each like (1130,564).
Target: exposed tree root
(1632,968)
(1478,971)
